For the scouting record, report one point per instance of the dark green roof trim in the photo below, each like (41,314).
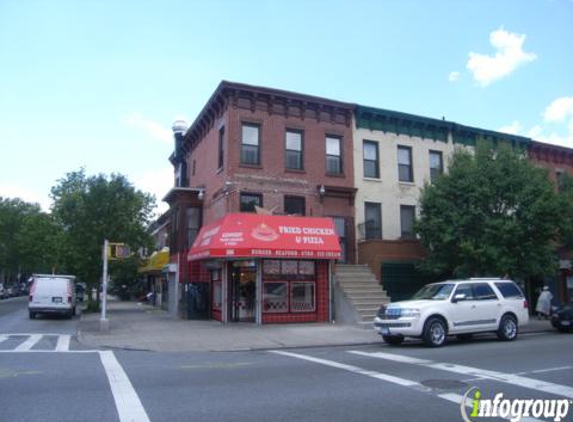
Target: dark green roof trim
(424,127)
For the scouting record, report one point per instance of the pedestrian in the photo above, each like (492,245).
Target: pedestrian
(543,307)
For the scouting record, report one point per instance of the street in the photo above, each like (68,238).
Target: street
(45,374)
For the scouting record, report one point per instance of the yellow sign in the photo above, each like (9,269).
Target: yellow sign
(118,251)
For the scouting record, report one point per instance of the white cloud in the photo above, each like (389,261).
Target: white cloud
(27,195)
(508,57)
(513,129)
(153,129)
(557,126)
(157,182)
(559,110)
(454,76)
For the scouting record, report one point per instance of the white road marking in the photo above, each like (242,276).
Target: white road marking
(28,344)
(2,338)
(541,371)
(129,407)
(451,397)
(63,344)
(533,384)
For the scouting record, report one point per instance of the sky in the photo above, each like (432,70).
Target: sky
(97,84)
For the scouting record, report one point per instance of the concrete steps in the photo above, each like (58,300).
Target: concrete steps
(361,289)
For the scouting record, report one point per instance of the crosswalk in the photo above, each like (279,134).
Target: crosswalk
(33,342)
(558,391)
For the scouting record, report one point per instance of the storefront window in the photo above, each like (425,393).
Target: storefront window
(302,297)
(275,297)
(289,286)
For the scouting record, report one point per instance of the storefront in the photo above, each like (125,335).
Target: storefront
(268,269)
(154,278)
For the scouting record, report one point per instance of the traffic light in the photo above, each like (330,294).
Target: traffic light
(118,251)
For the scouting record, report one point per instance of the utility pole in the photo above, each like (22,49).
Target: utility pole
(103,321)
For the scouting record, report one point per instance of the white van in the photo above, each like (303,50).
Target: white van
(52,294)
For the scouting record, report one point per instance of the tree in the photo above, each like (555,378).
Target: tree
(92,209)
(15,215)
(39,241)
(493,213)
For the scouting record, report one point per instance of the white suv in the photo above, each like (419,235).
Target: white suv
(456,307)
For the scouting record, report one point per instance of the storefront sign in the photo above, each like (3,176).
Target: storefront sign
(254,235)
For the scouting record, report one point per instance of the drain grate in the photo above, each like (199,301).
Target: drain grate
(444,384)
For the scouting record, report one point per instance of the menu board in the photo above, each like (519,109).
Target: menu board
(272,267)
(306,267)
(289,267)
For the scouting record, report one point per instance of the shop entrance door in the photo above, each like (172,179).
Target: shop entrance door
(243,291)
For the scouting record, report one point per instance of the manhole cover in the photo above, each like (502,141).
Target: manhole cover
(444,384)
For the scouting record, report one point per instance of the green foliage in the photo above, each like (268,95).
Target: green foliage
(28,238)
(92,209)
(493,213)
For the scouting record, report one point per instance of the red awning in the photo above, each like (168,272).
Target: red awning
(254,235)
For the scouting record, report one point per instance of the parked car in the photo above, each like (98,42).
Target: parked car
(3,292)
(562,318)
(455,307)
(52,294)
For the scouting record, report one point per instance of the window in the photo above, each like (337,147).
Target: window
(483,291)
(333,155)
(405,173)
(294,148)
(194,167)
(465,289)
(289,286)
(373,220)
(407,217)
(221,147)
(249,200)
(193,216)
(295,205)
(371,165)
(302,296)
(509,290)
(436,165)
(250,153)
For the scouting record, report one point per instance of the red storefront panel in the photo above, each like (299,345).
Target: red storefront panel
(266,236)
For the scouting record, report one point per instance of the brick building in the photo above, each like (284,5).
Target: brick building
(257,147)
(558,161)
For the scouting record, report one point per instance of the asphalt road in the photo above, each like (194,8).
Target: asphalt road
(43,377)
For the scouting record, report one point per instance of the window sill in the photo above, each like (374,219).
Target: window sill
(372,179)
(339,175)
(301,171)
(407,183)
(251,166)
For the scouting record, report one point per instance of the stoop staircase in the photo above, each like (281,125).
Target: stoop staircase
(360,290)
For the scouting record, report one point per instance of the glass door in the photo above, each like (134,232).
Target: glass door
(243,291)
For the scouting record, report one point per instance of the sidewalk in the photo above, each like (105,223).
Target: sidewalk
(143,327)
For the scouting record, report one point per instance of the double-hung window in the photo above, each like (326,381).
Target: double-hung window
(373,220)
(333,155)
(436,165)
(405,172)
(371,164)
(407,217)
(250,144)
(249,200)
(221,155)
(295,205)
(294,150)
